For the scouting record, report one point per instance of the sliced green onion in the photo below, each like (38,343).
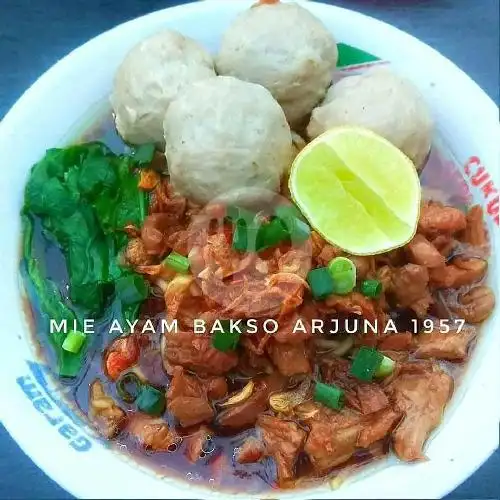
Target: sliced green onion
(177,262)
(329,395)
(240,236)
(151,401)
(385,368)
(129,387)
(299,231)
(293,220)
(371,288)
(226,340)
(271,234)
(144,154)
(245,236)
(343,271)
(366,363)
(321,283)
(236,214)
(74,341)
(285,212)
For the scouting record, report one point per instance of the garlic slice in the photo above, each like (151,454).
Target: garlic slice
(241,396)
(285,402)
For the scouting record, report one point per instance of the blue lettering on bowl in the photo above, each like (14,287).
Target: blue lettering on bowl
(45,400)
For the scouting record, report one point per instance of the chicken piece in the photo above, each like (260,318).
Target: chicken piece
(252,451)
(444,244)
(152,433)
(231,295)
(317,244)
(422,252)
(155,231)
(165,200)
(335,436)
(365,265)
(181,241)
(410,286)
(353,303)
(437,219)
(245,414)
(451,346)
(360,396)
(462,271)
(256,342)
(187,399)
(122,354)
(421,393)
(251,363)
(222,259)
(322,251)
(290,359)
(371,398)
(216,387)
(328,253)
(292,288)
(295,261)
(136,254)
(256,300)
(283,441)
(376,426)
(475,231)
(277,295)
(384,275)
(476,305)
(198,444)
(393,258)
(295,321)
(106,416)
(395,342)
(195,352)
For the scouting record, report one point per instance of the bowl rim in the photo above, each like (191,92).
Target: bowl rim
(443,475)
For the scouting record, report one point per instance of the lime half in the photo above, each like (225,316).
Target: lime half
(357,190)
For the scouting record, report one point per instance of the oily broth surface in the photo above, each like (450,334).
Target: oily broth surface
(440,180)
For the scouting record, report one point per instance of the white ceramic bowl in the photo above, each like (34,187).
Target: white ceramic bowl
(31,406)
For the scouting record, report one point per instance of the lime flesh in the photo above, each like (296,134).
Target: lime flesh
(357,190)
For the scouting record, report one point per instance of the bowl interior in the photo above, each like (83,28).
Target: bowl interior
(73,95)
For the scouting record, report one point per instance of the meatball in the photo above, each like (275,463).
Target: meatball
(147,80)
(283,47)
(224,135)
(383,102)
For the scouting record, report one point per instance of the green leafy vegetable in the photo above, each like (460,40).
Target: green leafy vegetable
(74,341)
(52,305)
(84,196)
(131,289)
